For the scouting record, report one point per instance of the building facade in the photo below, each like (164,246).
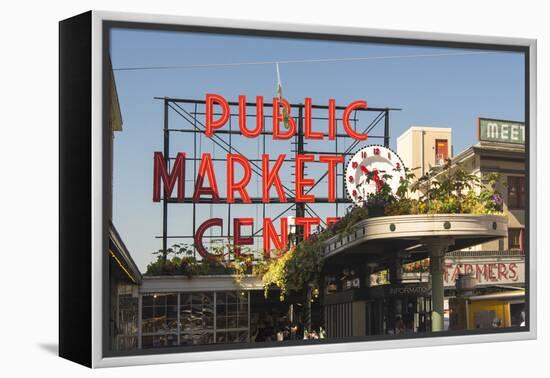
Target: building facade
(423,147)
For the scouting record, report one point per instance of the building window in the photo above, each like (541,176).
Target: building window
(159,320)
(194,318)
(441,151)
(516,192)
(515,238)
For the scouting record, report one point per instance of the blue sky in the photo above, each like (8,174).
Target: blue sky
(439,91)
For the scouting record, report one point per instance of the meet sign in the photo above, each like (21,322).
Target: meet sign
(494,130)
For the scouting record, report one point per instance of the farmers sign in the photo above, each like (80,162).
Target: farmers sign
(506,272)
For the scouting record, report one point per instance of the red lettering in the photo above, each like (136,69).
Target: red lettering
(502,271)
(259,117)
(241,185)
(331,162)
(206,168)
(199,234)
(270,235)
(270,178)
(308,133)
(211,125)
(331,119)
(513,273)
(238,240)
(491,268)
(302,182)
(278,118)
(345,120)
(481,272)
(168,180)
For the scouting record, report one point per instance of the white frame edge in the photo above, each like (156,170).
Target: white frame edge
(97,179)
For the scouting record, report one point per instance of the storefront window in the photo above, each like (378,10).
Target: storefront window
(198,318)
(159,320)
(231,317)
(516,192)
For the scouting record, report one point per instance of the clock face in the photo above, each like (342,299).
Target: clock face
(377,160)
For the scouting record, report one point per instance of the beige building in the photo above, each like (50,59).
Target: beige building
(508,160)
(423,147)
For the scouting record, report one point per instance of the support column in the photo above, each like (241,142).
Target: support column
(437,249)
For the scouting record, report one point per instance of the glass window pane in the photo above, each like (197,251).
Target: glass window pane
(231,297)
(208,299)
(159,324)
(243,298)
(172,299)
(232,309)
(172,325)
(209,322)
(220,322)
(160,311)
(220,298)
(147,326)
(231,322)
(197,298)
(243,321)
(185,299)
(159,300)
(147,313)
(147,300)
(172,312)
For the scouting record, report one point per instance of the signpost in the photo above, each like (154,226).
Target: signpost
(502,131)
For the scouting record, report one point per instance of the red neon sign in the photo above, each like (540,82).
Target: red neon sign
(217,115)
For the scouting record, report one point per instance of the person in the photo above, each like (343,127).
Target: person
(496,322)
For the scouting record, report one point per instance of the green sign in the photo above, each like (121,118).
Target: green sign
(495,130)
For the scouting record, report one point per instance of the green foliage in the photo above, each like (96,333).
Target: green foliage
(180,261)
(450,190)
(298,268)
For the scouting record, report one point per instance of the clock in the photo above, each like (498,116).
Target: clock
(378,161)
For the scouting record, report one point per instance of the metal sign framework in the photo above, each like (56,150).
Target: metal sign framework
(192,112)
